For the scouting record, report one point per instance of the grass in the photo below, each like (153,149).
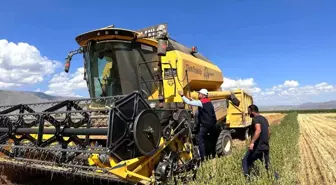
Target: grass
(284,156)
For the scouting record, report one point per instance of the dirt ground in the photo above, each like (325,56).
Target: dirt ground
(274,118)
(317,148)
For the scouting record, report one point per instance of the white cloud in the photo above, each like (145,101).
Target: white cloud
(290,92)
(301,91)
(4,85)
(291,83)
(64,84)
(287,84)
(21,63)
(246,84)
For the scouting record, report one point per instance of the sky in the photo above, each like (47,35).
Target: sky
(280,51)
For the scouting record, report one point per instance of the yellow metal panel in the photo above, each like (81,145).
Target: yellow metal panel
(172,84)
(238,116)
(201,74)
(213,95)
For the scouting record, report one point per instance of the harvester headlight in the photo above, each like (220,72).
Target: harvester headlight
(152,105)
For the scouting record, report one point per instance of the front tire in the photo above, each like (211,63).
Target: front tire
(224,143)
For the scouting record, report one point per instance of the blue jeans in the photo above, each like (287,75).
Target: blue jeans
(253,155)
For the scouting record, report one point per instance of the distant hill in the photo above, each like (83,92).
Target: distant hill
(320,105)
(17,97)
(305,106)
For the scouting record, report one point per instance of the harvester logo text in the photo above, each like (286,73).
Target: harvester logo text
(194,69)
(207,74)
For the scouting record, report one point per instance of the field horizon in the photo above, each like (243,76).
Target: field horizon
(12,97)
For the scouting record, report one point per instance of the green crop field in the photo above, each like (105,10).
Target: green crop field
(297,153)
(284,158)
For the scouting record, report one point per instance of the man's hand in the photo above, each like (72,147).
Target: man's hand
(180,93)
(251,146)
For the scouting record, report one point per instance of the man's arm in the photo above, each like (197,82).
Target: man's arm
(256,135)
(192,102)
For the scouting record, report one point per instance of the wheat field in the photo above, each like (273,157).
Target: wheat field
(317,148)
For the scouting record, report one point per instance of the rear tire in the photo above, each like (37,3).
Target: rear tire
(224,143)
(247,134)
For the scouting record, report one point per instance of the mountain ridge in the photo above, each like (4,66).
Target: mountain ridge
(331,104)
(8,97)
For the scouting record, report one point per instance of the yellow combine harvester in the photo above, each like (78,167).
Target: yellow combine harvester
(134,128)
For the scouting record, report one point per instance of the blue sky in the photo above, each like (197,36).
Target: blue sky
(285,40)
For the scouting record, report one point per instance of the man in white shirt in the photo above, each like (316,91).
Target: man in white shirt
(206,118)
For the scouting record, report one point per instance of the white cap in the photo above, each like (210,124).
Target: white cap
(203,91)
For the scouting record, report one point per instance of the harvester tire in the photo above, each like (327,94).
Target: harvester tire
(247,134)
(224,143)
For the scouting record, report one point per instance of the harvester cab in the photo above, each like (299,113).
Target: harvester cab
(134,127)
(119,62)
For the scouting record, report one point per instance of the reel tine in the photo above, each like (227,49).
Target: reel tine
(72,119)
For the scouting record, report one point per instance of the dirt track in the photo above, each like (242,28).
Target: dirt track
(317,148)
(274,118)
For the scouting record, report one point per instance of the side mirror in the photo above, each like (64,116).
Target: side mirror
(69,57)
(67,64)
(162,47)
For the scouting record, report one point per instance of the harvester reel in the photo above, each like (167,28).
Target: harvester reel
(147,132)
(183,117)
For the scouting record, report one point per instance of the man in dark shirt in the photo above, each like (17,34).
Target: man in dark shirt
(259,146)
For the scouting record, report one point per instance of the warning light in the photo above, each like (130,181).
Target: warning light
(194,49)
(162,47)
